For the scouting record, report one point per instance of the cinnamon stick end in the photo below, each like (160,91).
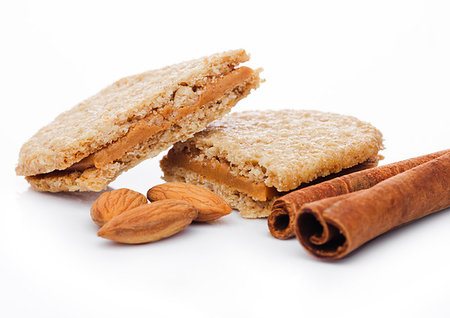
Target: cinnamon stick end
(320,238)
(280,224)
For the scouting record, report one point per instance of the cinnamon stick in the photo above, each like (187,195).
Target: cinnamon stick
(284,209)
(333,227)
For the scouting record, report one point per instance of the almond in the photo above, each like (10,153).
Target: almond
(113,203)
(149,222)
(209,205)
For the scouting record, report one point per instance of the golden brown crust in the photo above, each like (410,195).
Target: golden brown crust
(281,149)
(286,148)
(94,179)
(108,115)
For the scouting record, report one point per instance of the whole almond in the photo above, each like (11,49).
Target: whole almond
(209,205)
(149,222)
(112,203)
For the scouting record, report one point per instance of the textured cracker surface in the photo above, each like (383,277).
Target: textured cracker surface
(108,115)
(93,179)
(286,148)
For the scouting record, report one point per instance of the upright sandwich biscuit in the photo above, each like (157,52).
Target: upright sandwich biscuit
(135,118)
(251,158)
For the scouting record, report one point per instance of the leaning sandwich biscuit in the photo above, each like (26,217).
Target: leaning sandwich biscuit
(251,158)
(137,117)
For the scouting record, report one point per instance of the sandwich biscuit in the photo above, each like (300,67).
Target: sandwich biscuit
(137,117)
(251,158)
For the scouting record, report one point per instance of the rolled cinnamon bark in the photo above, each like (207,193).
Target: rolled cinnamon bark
(333,227)
(284,209)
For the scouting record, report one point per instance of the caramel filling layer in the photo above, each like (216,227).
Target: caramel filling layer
(219,172)
(149,126)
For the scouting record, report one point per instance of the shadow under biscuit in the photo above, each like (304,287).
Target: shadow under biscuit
(83,198)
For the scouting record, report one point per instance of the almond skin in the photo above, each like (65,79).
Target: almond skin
(209,205)
(111,204)
(149,222)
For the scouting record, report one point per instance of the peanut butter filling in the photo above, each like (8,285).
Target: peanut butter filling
(149,126)
(219,172)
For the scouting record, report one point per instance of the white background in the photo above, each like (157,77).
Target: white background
(385,62)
